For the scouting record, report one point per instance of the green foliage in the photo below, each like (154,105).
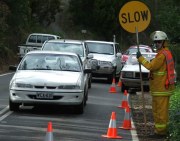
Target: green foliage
(102,18)
(168,17)
(44,12)
(175,115)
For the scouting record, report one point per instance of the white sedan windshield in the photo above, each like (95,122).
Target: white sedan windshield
(50,62)
(132,60)
(65,47)
(101,48)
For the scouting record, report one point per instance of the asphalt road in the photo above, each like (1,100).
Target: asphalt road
(30,123)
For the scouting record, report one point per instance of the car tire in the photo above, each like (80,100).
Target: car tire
(13,106)
(86,97)
(89,82)
(109,79)
(80,108)
(123,88)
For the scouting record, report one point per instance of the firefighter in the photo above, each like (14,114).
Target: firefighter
(162,82)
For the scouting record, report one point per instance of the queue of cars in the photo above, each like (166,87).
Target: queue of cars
(61,72)
(74,46)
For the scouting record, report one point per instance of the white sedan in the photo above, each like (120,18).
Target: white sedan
(49,77)
(130,73)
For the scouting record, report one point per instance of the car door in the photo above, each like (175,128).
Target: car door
(118,55)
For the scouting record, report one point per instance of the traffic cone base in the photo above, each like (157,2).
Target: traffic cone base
(112,137)
(119,83)
(112,90)
(127,122)
(112,130)
(113,86)
(126,125)
(49,134)
(124,104)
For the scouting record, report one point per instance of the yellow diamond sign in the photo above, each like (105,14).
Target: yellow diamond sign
(134,14)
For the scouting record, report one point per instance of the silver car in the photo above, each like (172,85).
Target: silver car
(49,77)
(74,46)
(130,74)
(109,58)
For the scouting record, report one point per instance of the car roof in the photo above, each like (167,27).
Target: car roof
(96,41)
(141,46)
(44,34)
(149,53)
(65,41)
(51,52)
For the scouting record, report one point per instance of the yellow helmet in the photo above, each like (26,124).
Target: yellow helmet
(158,35)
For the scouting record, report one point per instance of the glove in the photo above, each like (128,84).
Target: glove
(138,54)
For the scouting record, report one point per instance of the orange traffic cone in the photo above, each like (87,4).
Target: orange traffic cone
(112,130)
(49,134)
(124,103)
(119,83)
(113,86)
(127,122)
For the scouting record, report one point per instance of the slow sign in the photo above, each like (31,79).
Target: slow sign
(134,14)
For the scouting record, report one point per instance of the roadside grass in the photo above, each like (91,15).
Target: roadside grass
(174,115)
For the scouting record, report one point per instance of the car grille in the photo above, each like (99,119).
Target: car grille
(145,76)
(43,87)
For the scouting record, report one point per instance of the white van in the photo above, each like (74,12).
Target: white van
(34,42)
(109,58)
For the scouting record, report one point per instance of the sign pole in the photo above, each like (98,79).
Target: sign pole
(135,17)
(142,90)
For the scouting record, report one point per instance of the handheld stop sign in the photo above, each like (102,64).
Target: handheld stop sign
(134,14)
(135,17)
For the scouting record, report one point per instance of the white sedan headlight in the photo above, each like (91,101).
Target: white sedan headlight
(21,85)
(69,87)
(72,86)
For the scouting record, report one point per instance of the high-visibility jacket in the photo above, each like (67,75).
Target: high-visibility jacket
(159,74)
(170,67)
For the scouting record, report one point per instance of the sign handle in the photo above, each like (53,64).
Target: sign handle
(142,90)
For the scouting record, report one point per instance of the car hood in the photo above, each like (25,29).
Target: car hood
(103,57)
(48,78)
(134,68)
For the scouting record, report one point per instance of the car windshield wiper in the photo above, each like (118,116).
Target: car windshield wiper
(70,70)
(107,53)
(94,52)
(41,69)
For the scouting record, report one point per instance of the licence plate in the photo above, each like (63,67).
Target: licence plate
(44,95)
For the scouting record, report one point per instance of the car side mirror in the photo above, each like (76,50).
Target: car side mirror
(119,54)
(90,56)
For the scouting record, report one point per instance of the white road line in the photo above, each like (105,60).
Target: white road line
(5,115)
(133,132)
(6,74)
(4,110)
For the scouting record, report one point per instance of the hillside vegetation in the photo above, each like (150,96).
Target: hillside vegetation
(68,18)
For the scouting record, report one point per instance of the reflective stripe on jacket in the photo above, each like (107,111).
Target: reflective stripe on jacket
(158,74)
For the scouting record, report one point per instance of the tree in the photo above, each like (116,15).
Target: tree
(44,12)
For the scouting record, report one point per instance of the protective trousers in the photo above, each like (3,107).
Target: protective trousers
(160,107)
